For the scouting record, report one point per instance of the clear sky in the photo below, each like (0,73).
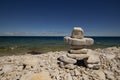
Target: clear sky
(58,17)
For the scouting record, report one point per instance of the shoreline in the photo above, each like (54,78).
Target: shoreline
(21,50)
(19,66)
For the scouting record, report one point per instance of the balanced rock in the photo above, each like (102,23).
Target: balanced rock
(79,51)
(77,47)
(84,41)
(66,39)
(77,33)
(67,60)
(78,56)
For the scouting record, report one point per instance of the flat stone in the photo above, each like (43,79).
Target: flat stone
(36,76)
(66,38)
(69,66)
(77,42)
(77,33)
(93,57)
(77,47)
(30,61)
(79,51)
(77,72)
(67,60)
(68,77)
(93,66)
(78,56)
(7,68)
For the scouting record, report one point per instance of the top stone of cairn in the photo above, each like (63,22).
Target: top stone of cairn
(77,33)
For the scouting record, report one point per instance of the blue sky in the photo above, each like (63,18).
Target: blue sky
(58,17)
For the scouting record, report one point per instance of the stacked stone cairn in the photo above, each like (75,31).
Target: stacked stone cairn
(78,53)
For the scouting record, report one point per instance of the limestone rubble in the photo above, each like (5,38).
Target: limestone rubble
(14,67)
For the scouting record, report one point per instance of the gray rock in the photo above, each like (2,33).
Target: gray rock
(78,56)
(77,33)
(67,60)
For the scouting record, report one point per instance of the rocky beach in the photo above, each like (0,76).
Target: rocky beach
(40,66)
(78,63)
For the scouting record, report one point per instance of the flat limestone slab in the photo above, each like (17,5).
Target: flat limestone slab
(77,47)
(93,66)
(77,33)
(36,76)
(93,57)
(67,60)
(79,51)
(78,42)
(66,38)
(78,56)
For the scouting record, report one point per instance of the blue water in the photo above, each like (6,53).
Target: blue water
(37,41)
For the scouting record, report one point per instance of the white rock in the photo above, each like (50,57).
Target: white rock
(101,74)
(31,61)
(79,51)
(67,60)
(77,47)
(7,68)
(77,33)
(77,42)
(78,56)
(69,66)
(109,75)
(109,56)
(27,76)
(77,72)
(66,38)
(85,77)
(93,57)
(68,77)
(36,76)
(93,66)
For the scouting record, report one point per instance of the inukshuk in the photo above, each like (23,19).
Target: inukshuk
(79,52)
